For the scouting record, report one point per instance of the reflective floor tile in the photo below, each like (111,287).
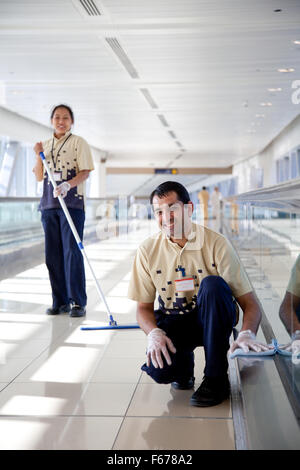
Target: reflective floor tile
(130,335)
(127,348)
(117,370)
(163,400)
(64,364)
(59,433)
(21,331)
(10,368)
(54,399)
(120,289)
(89,337)
(175,433)
(23,349)
(106,399)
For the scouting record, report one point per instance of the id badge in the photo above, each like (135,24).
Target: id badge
(185,284)
(57,175)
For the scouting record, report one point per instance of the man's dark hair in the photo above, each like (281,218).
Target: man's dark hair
(164,188)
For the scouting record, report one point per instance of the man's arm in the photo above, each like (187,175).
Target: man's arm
(145,316)
(246,339)
(288,316)
(287,312)
(251,311)
(158,342)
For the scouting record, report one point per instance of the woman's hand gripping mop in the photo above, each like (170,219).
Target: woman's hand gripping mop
(112,323)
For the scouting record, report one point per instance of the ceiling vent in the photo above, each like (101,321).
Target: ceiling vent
(163,120)
(122,56)
(172,135)
(149,98)
(90,7)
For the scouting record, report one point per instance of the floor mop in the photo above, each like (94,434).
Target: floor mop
(112,323)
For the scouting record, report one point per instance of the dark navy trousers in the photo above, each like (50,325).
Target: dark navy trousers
(209,325)
(64,259)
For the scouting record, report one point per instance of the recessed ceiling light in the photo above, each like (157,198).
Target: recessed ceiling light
(286,70)
(274,89)
(296,42)
(266,104)
(259,115)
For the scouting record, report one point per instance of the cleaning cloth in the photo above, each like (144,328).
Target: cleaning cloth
(271,352)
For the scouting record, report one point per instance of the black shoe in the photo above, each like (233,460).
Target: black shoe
(186,384)
(212,391)
(58,310)
(77,311)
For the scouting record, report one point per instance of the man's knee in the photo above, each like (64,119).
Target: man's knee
(214,283)
(215,299)
(182,366)
(160,376)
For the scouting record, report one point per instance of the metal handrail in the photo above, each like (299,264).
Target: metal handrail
(283,196)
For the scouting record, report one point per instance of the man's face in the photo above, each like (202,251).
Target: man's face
(173,217)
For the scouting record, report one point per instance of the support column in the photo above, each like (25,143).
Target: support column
(98,176)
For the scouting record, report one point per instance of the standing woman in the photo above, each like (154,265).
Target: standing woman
(70,160)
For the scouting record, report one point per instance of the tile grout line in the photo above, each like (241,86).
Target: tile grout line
(30,363)
(210,418)
(125,414)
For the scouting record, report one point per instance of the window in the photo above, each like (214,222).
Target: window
(294,169)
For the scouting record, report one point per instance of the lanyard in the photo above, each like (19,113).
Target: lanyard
(57,155)
(180,268)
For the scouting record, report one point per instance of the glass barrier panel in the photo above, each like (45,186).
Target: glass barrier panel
(268,244)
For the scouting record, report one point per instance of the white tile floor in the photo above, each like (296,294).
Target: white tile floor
(64,388)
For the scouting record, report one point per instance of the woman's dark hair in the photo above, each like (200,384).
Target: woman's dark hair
(165,188)
(63,106)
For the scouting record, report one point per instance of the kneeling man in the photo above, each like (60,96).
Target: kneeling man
(198,278)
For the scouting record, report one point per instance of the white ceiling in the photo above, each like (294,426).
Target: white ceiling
(206,64)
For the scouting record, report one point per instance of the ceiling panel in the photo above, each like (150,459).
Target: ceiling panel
(143,185)
(55,10)
(210,11)
(203,69)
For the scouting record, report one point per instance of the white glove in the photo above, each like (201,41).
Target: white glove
(247,341)
(158,342)
(294,345)
(62,189)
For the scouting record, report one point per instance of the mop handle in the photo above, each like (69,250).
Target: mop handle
(75,233)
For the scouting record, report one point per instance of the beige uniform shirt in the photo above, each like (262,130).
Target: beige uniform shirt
(67,156)
(203,196)
(206,252)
